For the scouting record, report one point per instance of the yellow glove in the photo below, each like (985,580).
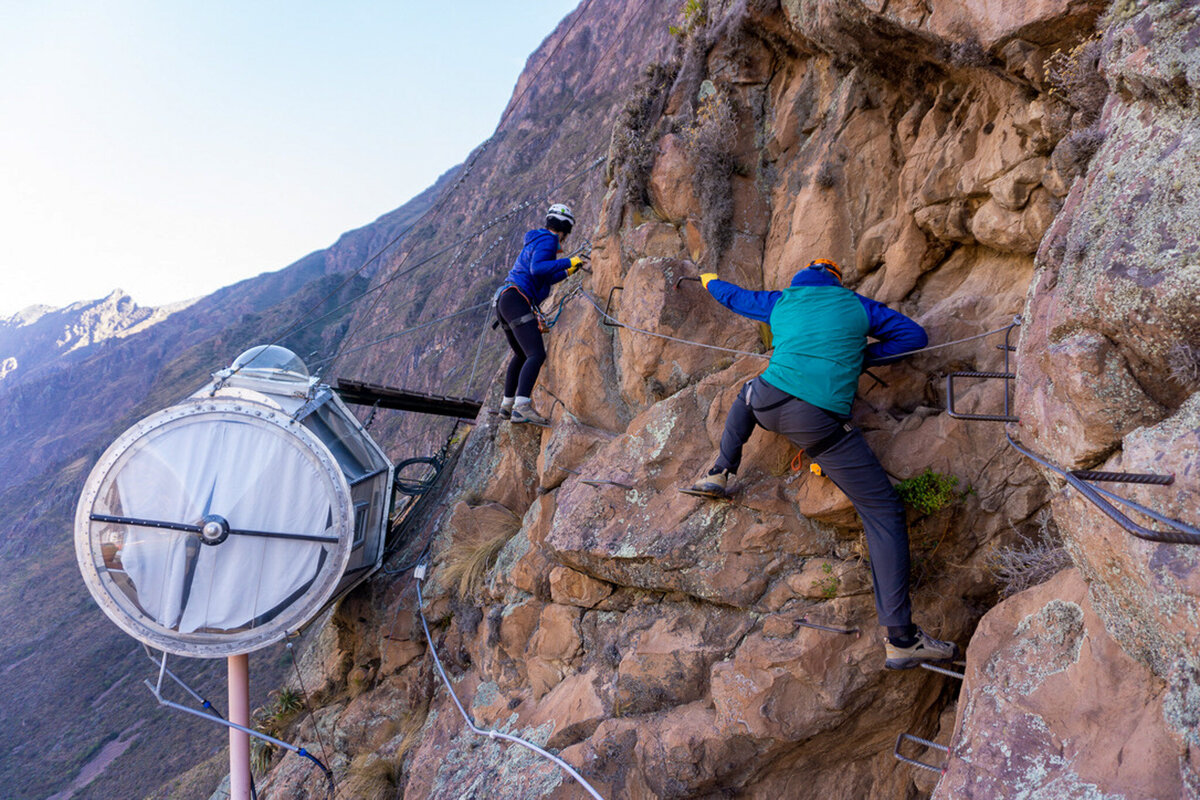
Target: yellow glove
(576,263)
(706,277)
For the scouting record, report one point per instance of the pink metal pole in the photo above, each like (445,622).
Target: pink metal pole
(239,713)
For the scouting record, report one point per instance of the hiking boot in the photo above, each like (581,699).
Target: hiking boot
(505,413)
(526,413)
(710,485)
(925,649)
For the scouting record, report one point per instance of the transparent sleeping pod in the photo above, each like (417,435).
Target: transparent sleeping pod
(219,525)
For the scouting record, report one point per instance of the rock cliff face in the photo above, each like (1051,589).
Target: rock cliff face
(965,162)
(940,152)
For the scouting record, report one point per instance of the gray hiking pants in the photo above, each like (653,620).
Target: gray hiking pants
(851,465)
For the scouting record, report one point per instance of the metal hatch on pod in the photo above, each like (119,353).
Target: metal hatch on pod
(217,526)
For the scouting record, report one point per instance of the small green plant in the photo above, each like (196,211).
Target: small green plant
(692,16)
(928,492)
(287,701)
(828,586)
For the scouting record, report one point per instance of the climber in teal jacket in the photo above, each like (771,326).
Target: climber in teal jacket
(820,332)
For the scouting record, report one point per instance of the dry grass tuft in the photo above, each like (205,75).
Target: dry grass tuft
(1183,359)
(410,727)
(1074,75)
(483,532)
(637,130)
(374,778)
(1032,561)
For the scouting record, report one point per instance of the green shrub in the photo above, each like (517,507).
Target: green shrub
(928,492)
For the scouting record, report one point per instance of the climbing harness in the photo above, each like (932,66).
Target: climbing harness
(545,324)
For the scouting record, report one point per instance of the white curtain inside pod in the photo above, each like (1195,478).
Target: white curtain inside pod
(254,477)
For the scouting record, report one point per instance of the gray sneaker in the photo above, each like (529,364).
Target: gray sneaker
(527,413)
(925,649)
(710,485)
(505,413)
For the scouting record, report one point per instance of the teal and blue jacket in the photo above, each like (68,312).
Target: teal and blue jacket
(820,331)
(538,268)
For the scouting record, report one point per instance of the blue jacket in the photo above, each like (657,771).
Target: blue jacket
(820,332)
(537,268)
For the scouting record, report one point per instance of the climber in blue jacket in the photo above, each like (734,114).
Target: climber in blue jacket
(537,268)
(820,331)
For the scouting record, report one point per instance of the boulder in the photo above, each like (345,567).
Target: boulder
(1052,704)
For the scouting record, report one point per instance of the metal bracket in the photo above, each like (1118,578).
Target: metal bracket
(1124,477)
(1007,375)
(605,483)
(683,278)
(607,308)
(909,737)
(319,399)
(804,623)
(1005,417)
(1180,533)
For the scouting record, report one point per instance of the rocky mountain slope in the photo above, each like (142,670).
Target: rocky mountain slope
(967,163)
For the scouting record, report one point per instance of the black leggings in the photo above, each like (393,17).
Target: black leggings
(529,352)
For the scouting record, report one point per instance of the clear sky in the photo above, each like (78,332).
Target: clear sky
(171,147)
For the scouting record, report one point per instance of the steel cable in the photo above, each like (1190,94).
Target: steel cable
(488,732)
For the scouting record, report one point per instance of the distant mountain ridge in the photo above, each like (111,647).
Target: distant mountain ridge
(35,336)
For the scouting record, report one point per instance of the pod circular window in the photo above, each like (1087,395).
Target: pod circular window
(214,527)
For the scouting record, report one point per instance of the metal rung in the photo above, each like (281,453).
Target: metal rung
(607,309)
(591,482)
(683,278)
(900,740)
(1180,533)
(803,622)
(944,671)
(1008,376)
(1124,477)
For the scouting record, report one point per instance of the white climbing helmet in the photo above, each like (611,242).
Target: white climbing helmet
(561,213)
